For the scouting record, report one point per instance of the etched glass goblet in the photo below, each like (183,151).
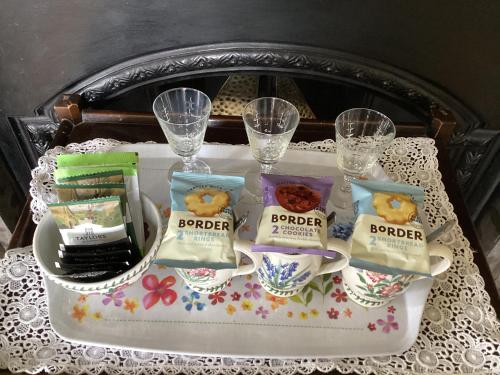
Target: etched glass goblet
(183,116)
(270,124)
(362,135)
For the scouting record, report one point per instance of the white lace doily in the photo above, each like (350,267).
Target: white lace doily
(459,332)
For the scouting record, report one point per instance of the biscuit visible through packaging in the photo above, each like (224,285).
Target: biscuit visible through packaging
(195,202)
(388,236)
(201,225)
(405,212)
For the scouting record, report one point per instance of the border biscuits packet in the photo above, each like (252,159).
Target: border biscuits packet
(201,225)
(388,236)
(294,217)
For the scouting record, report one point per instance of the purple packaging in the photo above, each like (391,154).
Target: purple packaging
(294,216)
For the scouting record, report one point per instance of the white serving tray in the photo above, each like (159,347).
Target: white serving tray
(318,325)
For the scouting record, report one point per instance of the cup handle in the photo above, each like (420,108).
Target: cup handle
(444,253)
(244,246)
(342,249)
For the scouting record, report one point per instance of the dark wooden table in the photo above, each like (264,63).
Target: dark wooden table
(230,130)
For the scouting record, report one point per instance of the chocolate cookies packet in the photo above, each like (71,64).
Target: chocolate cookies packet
(76,168)
(294,217)
(201,226)
(388,235)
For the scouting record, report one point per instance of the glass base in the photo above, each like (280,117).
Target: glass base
(253,181)
(341,194)
(197,166)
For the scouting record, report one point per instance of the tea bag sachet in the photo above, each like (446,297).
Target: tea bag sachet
(201,226)
(73,192)
(76,168)
(388,235)
(89,222)
(294,217)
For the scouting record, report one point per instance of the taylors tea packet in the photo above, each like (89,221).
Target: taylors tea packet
(388,236)
(84,165)
(70,192)
(294,216)
(201,225)
(90,222)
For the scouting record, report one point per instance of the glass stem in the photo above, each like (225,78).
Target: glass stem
(346,185)
(266,168)
(188,160)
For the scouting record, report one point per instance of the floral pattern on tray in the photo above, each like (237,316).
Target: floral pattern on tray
(322,302)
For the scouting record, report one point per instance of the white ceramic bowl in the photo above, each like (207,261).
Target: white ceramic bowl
(47,239)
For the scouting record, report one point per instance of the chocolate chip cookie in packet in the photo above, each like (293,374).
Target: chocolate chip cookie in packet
(388,235)
(294,217)
(201,225)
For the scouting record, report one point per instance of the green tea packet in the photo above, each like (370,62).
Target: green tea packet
(73,166)
(75,192)
(110,177)
(89,222)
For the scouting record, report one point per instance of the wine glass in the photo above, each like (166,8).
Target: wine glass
(362,135)
(183,116)
(270,124)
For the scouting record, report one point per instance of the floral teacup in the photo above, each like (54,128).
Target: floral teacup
(207,280)
(285,275)
(373,289)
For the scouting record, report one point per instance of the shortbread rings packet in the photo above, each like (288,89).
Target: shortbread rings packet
(201,225)
(388,235)
(294,214)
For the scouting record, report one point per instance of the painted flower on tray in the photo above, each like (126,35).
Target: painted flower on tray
(303,315)
(97,315)
(191,300)
(262,312)
(230,309)
(333,314)
(131,305)
(116,297)
(158,290)
(253,290)
(391,309)
(217,297)
(347,313)
(276,301)
(389,324)
(337,279)
(235,296)
(79,312)
(339,295)
(247,305)
(314,313)
(166,212)
(372,327)
(289,314)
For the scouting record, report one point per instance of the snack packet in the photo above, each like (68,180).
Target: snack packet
(388,236)
(89,222)
(109,177)
(294,217)
(201,226)
(77,167)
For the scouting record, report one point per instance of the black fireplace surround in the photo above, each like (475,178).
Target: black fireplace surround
(472,149)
